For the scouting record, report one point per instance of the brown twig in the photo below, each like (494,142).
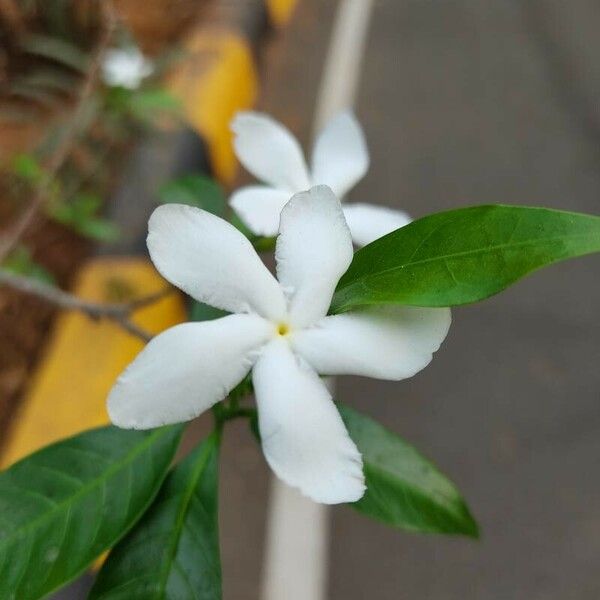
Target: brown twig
(120,313)
(12,238)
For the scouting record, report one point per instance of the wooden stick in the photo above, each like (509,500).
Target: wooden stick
(120,313)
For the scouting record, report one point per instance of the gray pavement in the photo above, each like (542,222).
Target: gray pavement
(469,102)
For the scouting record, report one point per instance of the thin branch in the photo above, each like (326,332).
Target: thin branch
(149,299)
(119,313)
(129,326)
(69,137)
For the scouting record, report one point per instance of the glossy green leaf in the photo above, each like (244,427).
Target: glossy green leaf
(173,552)
(463,256)
(203,312)
(404,489)
(195,190)
(63,506)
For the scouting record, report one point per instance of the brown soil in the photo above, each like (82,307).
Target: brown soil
(162,22)
(24,320)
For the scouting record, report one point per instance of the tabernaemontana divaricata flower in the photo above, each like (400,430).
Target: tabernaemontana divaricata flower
(126,67)
(280,331)
(340,159)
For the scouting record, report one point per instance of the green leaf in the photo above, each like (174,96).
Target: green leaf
(463,256)
(28,168)
(63,506)
(117,99)
(150,104)
(45,98)
(155,100)
(51,79)
(59,50)
(195,190)
(404,489)
(173,552)
(203,312)
(97,228)
(80,214)
(20,262)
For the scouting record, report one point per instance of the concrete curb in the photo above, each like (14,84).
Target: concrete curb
(220,75)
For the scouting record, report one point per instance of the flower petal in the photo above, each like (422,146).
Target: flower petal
(303,437)
(259,207)
(390,342)
(125,67)
(340,157)
(212,261)
(314,249)
(269,151)
(185,370)
(369,222)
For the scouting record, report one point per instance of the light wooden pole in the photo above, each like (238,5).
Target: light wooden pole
(296,556)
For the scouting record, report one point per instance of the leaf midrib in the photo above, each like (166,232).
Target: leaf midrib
(182,512)
(113,468)
(411,263)
(453,511)
(392,477)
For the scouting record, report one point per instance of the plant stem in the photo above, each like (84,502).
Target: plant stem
(228,411)
(119,313)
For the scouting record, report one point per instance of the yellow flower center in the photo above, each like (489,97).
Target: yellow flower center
(283,329)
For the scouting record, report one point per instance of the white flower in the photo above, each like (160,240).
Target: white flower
(126,67)
(280,331)
(273,155)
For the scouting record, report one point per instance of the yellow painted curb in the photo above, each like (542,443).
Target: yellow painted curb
(217,79)
(84,357)
(280,11)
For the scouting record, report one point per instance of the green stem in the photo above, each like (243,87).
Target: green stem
(227,412)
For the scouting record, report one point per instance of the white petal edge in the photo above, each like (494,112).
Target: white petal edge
(185,370)
(269,151)
(212,261)
(259,207)
(314,249)
(369,222)
(303,436)
(340,157)
(386,342)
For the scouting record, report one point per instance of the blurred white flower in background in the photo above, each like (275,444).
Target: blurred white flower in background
(280,331)
(126,67)
(273,155)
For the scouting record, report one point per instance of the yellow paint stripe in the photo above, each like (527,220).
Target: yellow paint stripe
(84,357)
(280,11)
(216,79)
